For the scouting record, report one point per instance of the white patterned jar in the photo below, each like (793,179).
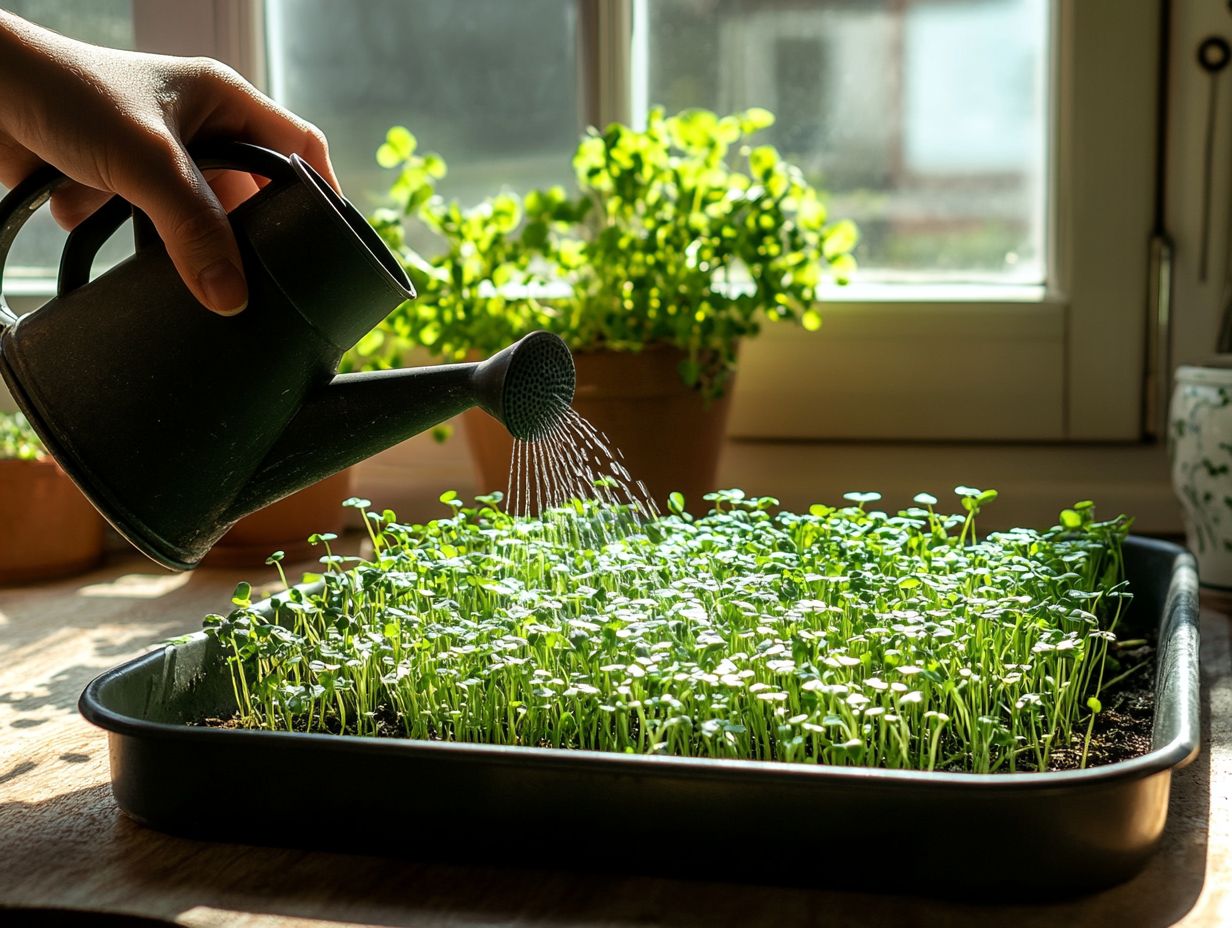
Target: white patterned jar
(1200,449)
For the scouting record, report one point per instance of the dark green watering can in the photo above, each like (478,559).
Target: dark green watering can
(175,421)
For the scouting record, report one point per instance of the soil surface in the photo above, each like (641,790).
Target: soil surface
(1122,728)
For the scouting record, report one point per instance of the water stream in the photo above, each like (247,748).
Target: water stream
(575,461)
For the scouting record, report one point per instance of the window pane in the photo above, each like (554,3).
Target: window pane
(36,253)
(924,119)
(488,84)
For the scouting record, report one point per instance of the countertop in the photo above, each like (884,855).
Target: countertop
(63,842)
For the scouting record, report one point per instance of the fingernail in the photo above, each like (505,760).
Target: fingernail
(224,288)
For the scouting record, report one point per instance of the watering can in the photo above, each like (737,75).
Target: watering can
(175,422)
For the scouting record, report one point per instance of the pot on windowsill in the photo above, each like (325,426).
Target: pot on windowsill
(47,528)
(286,525)
(669,435)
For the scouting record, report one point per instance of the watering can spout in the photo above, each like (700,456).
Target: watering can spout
(527,387)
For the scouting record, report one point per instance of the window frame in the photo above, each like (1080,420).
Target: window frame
(1072,370)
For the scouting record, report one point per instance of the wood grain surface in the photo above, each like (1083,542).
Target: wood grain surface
(64,843)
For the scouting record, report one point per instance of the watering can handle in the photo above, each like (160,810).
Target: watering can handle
(83,243)
(18,205)
(92,233)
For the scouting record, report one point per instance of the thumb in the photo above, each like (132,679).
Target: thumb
(193,226)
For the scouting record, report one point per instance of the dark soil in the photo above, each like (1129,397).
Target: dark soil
(1122,728)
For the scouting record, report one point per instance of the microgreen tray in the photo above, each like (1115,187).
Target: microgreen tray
(1014,834)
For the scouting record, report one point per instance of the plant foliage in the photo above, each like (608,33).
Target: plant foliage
(838,636)
(17,439)
(683,234)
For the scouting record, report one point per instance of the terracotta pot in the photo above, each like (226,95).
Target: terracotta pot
(47,528)
(286,524)
(670,437)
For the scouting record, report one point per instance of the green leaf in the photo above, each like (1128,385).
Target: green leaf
(811,320)
(402,141)
(840,239)
(756,118)
(387,157)
(693,129)
(763,160)
(675,502)
(842,267)
(434,166)
(243,594)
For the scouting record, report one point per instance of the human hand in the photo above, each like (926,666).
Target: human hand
(117,122)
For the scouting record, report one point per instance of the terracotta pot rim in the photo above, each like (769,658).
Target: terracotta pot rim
(50,570)
(45,461)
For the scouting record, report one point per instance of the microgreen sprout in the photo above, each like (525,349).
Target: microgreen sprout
(843,635)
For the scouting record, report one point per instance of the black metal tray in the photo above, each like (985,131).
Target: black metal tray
(1024,834)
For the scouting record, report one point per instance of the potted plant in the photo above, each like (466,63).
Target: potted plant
(835,679)
(47,528)
(682,238)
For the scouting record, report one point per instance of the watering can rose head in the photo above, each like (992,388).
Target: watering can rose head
(529,385)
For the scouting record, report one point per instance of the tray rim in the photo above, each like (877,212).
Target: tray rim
(1177,753)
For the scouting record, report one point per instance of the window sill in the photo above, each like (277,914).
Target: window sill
(1035,481)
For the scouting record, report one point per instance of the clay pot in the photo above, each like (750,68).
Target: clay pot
(286,525)
(670,437)
(47,528)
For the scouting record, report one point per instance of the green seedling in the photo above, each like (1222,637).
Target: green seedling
(845,635)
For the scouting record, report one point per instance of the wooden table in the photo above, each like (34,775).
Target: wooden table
(64,843)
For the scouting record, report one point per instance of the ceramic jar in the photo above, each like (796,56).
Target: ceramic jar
(1200,451)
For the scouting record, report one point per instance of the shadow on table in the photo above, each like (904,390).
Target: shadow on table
(39,917)
(119,611)
(125,593)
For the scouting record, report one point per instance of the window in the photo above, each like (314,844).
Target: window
(981,145)
(105,22)
(939,156)
(998,155)
(490,85)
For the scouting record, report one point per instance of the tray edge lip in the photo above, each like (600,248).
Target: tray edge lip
(1177,753)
